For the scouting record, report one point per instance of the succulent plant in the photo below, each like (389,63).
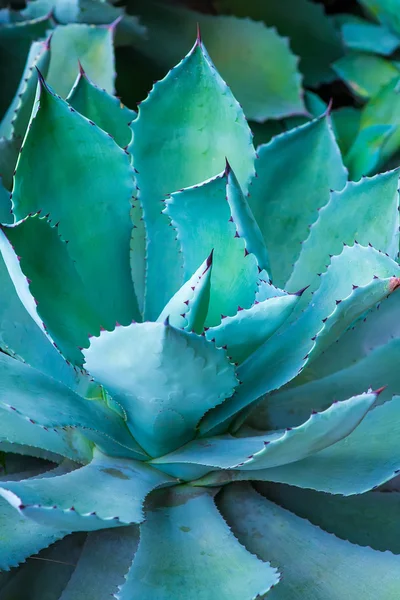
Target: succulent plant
(176,391)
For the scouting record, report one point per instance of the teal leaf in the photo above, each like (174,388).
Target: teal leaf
(371,216)
(265,89)
(346,124)
(306,554)
(213,129)
(369,37)
(48,403)
(102,200)
(16,119)
(386,11)
(311,33)
(53,282)
(188,308)
(365,74)
(15,43)
(364,460)
(99,106)
(5,205)
(105,559)
(21,336)
(367,519)
(14,430)
(279,360)
(271,449)
(246,331)
(137,253)
(164,378)
(184,545)
(92,46)
(108,492)
(365,155)
(293,166)
(204,219)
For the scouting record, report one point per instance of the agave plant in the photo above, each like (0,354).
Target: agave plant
(147,354)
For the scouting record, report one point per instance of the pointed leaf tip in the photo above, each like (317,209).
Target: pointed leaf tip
(228,168)
(41,79)
(380,390)
(81,69)
(198,35)
(394,284)
(47,42)
(301,292)
(112,26)
(166,322)
(210,259)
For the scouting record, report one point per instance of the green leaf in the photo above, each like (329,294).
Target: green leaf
(367,520)
(91,169)
(345,123)
(63,302)
(5,205)
(305,151)
(184,545)
(21,336)
(92,46)
(105,559)
(16,119)
(50,404)
(311,33)
(213,129)
(165,379)
(15,43)
(266,450)
(188,308)
(364,460)
(105,110)
(108,492)
(265,89)
(368,37)
(14,430)
(365,74)
(246,331)
(365,155)
(314,564)
(290,406)
(204,217)
(366,211)
(386,11)
(380,111)
(279,360)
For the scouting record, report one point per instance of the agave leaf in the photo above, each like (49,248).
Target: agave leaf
(165,379)
(204,219)
(101,194)
(232,43)
(312,34)
(32,395)
(63,302)
(369,37)
(366,211)
(138,258)
(105,110)
(5,204)
(50,571)
(213,129)
(381,110)
(305,151)
(364,460)
(305,551)
(246,331)
(367,520)
(108,492)
(290,406)
(15,43)
(9,149)
(284,356)
(106,557)
(14,430)
(17,117)
(188,308)
(270,449)
(385,11)
(346,124)
(365,74)
(177,549)
(21,336)
(92,46)
(365,155)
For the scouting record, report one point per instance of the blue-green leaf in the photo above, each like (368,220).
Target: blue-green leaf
(186,545)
